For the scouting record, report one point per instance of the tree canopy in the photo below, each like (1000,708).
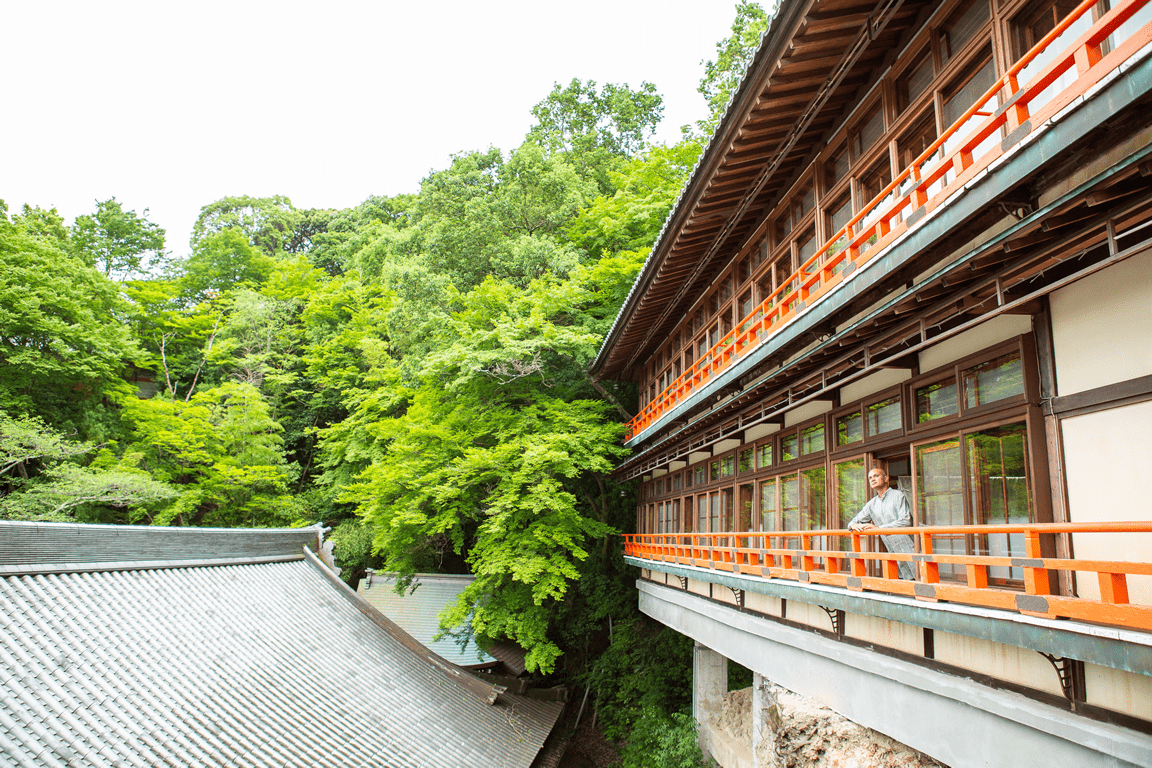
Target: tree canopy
(411,371)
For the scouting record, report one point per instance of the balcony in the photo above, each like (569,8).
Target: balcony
(1067,67)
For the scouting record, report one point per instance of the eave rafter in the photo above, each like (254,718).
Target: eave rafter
(796,90)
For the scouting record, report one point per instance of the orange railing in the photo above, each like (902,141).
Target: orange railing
(932,178)
(763,554)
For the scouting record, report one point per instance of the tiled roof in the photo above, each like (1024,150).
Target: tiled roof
(418,612)
(266,660)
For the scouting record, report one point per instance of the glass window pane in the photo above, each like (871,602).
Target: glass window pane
(941,497)
(883,416)
(807,243)
(868,132)
(962,27)
(837,167)
(995,380)
(790,503)
(727,466)
(788,445)
(764,459)
(849,428)
(813,503)
(806,200)
(936,400)
(998,491)
(841,214)
(966,95)
(702,523)
(768,505)
(747,499)
(715,470)
(915,80)
(851,495)
(812,439)
(746,460)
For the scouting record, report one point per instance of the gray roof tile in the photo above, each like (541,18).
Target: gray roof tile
(245,664)
(418,612)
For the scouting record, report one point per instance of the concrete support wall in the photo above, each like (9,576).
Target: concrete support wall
(955,720)
(762,719)
(709,684)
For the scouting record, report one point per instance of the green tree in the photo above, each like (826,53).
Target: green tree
(63,346)
(222,452)
(646,187)
(272,225)
(594,126)
(39,480)
(733,55)
(223,261)
(492,457)
(119,243)
(487,216)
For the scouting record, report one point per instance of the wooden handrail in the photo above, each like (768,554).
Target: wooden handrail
(764,555)
(824,271)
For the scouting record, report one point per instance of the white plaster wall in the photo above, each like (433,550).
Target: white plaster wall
(723,594)
(1107,456)
(873,383)
(890,634)
(1118,690)
(762,603)
(994,331)
(724,446)
(759,431)
(812,615)
(699,587)
(1007,662)
(805,412)
(1102,327)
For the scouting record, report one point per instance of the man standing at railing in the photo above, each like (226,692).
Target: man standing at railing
(887,509)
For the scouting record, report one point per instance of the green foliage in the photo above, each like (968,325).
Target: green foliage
(646,187)
(221,449)
(733,55)
(485,458)
(42,484)
(119,243)
(660,740)
(645,665)
(271,225)
(65,489)
(222,261)
(26,440)
(485,216)
(595,127)
(62,345)
(353,548)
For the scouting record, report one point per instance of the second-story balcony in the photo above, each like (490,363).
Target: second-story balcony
(1064,71)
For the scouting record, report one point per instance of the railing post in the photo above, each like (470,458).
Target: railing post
(1113,587)
(930,573)
(807,562)
(859,567)
(1035,577)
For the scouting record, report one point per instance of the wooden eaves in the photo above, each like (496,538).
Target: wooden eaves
(814,61)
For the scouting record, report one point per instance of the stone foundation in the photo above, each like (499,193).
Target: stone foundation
(796,732)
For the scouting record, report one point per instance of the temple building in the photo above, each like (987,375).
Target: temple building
(918,241)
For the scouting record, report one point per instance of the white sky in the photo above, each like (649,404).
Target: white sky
(172,105)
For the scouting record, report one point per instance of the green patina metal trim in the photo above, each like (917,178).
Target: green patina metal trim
(1107,647)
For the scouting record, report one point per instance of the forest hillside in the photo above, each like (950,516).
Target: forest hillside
(411,372)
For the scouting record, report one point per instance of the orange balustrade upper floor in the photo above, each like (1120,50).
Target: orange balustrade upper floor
(1047,79)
